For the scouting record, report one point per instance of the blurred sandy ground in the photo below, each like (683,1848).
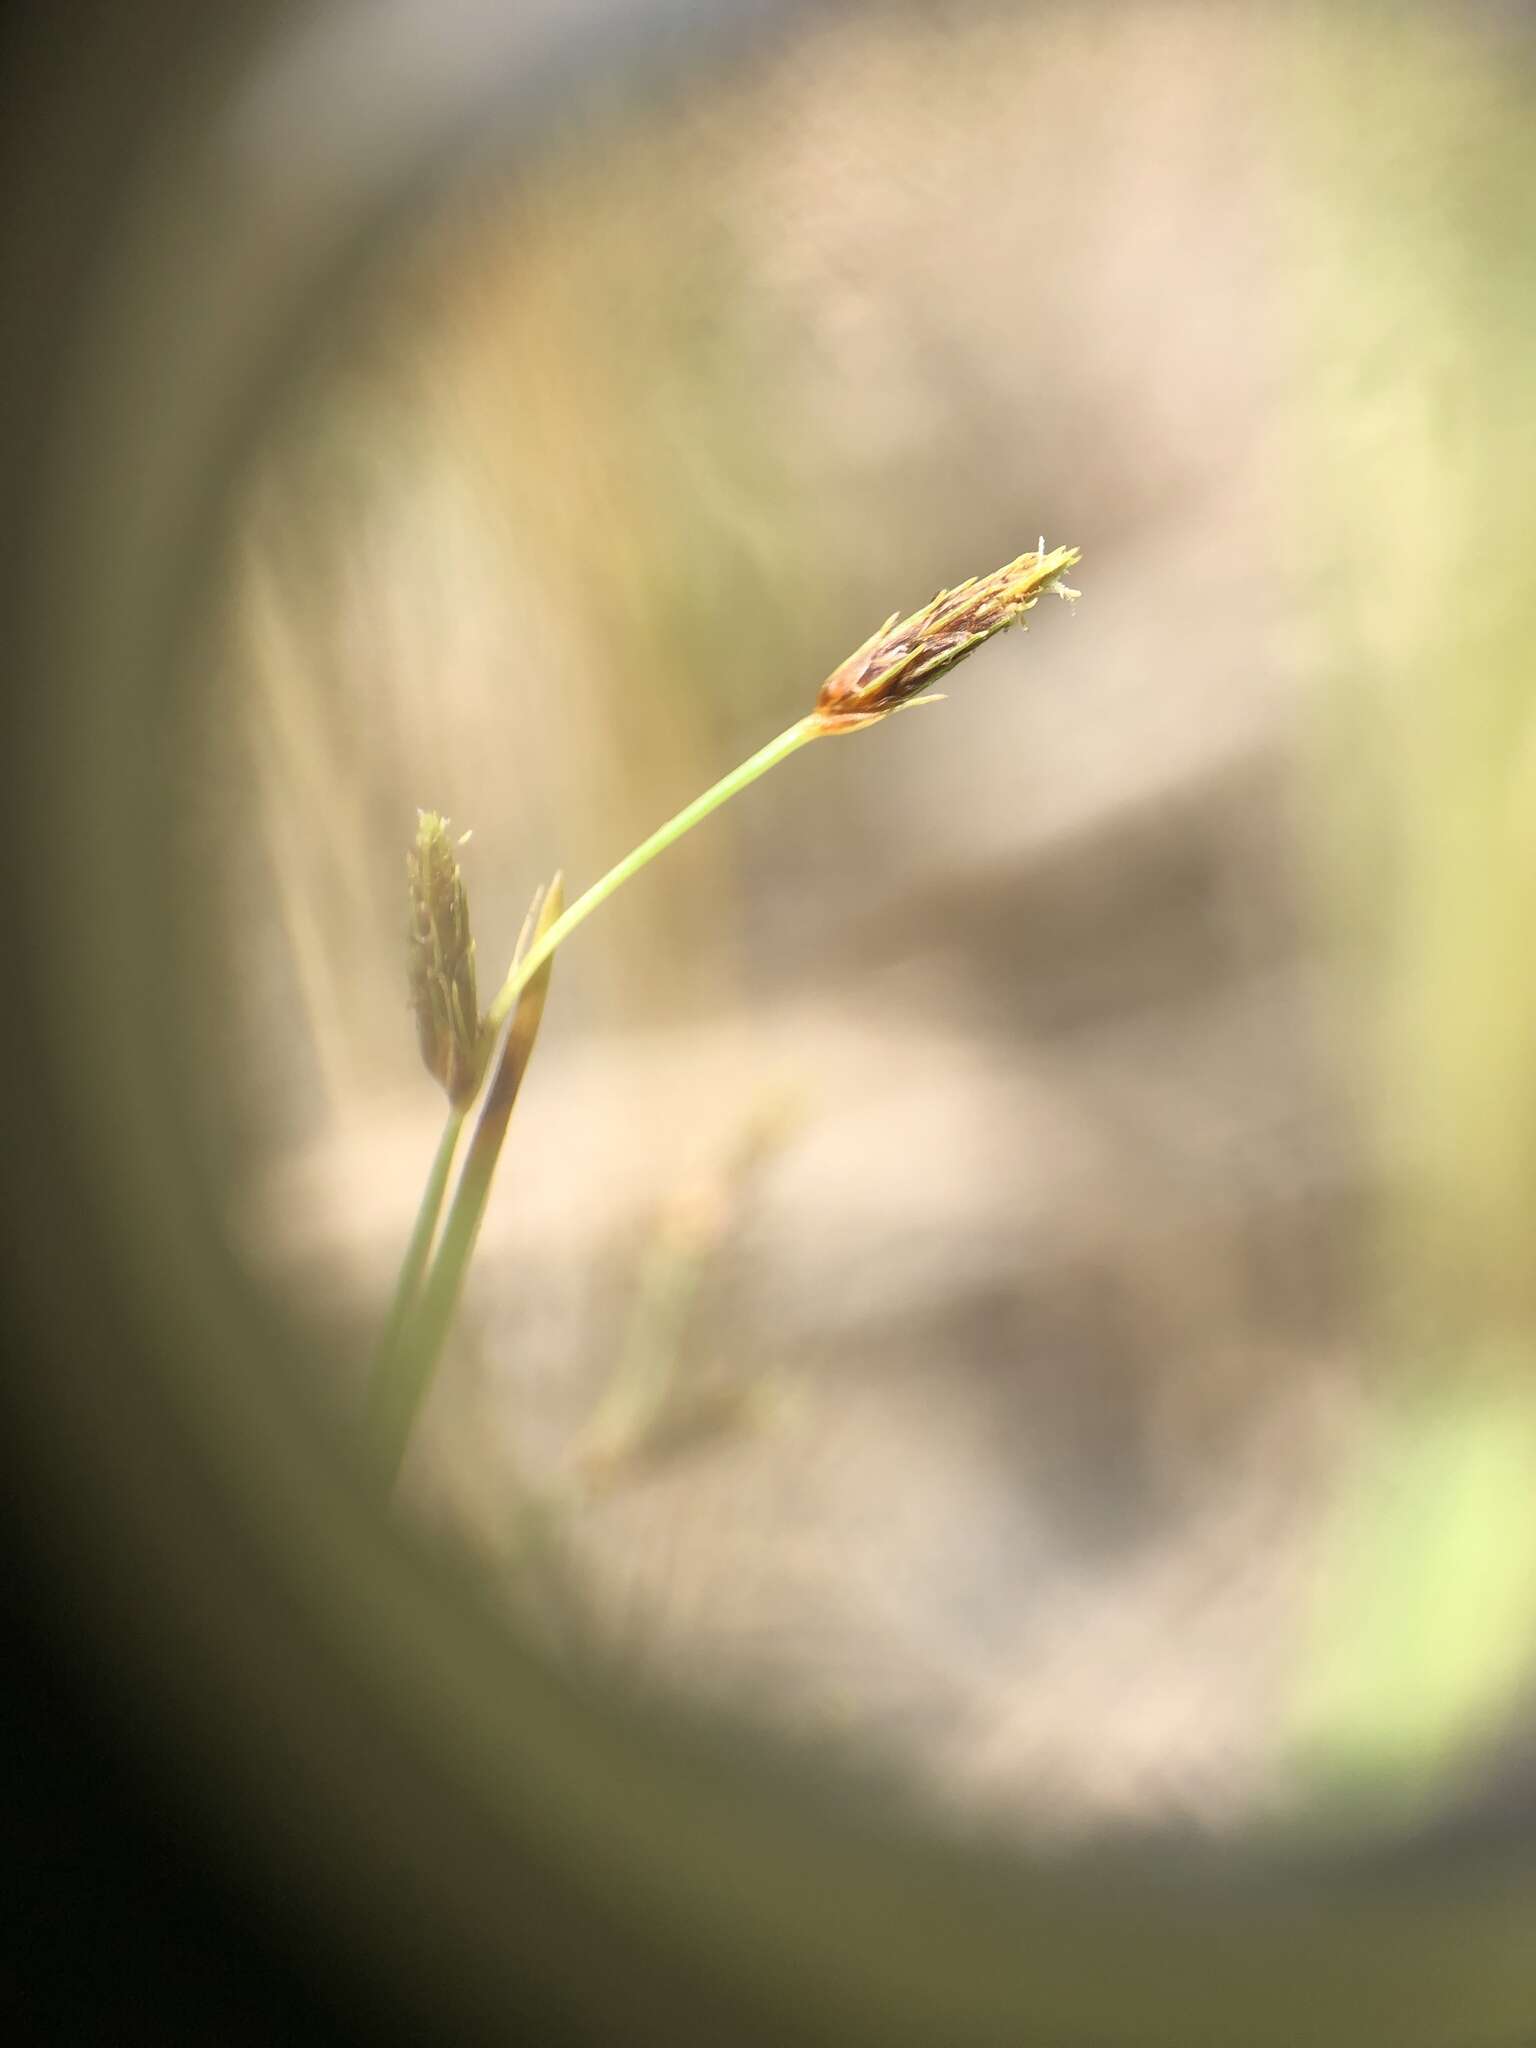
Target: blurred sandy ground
(983,1413)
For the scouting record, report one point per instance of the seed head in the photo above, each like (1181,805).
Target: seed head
(906,655)
(442,962)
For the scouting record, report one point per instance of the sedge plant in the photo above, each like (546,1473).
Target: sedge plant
(893,669)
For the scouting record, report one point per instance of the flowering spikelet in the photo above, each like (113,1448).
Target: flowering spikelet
(442,962)
(906,655)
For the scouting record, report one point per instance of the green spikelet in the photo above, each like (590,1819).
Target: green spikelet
(442,963)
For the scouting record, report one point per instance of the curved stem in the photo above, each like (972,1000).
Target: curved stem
(426,1300)
(523,970)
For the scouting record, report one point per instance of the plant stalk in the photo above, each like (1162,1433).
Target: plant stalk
(522,972)
(414,1264)
(402,1384)
(891,670)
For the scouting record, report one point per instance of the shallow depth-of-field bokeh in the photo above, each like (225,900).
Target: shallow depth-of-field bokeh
(955,1245)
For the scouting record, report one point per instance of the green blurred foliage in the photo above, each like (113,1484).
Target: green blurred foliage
(1421,442)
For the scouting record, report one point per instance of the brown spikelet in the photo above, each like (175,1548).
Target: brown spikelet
(442,962)
(899,661)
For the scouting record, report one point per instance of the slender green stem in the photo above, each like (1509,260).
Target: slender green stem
(403,1388)
(414,1264)
(523,970)
(389,1365)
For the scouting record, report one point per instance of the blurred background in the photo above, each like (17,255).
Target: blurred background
(1013,1252)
